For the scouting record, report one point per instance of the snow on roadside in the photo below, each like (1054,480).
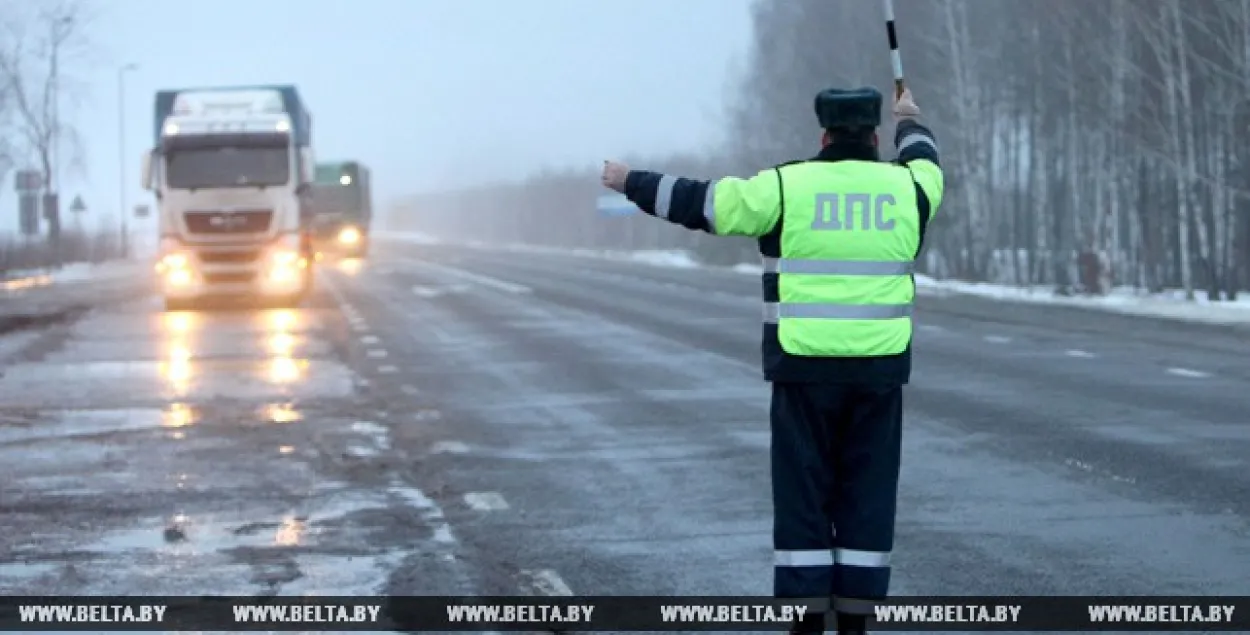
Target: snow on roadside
(1169,305)
(76,272)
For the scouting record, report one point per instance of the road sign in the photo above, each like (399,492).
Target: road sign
(28,181)
(77,206)
(142,211)
(28,211)
(616,205)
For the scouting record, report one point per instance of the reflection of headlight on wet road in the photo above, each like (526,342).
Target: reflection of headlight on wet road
(282,413)
(178,415)
(178,322)
(350,266)
(282,320)
(284,370)
(281,344)
(179,353)
(178,372)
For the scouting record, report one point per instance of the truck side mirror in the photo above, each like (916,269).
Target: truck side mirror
(146,175)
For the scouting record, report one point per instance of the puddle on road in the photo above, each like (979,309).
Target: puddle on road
(99,384)
(329,545)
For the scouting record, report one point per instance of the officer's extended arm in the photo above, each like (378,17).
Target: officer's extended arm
(725,207)
(917,149)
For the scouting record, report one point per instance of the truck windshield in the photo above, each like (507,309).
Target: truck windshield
(336,199)
(227,167)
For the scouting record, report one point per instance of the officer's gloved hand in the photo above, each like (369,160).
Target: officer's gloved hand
(905,107)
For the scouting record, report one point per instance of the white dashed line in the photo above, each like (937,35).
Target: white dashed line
(1186,372)
(1076,352)
(409,389)
(369,339)
(426,292)
(376,353)
(360,327)
(486,501)
(997,339)
(449,447)
(429,511)
(932,328)
(547,582)
(387,369)
(485,281)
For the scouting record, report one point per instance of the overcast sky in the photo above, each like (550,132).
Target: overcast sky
(428,92)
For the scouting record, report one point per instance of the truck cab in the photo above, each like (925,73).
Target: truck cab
(342,204)
(231,170)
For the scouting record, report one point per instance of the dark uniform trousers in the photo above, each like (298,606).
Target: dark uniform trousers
(835,467)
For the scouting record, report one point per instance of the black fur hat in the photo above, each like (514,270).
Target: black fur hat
(856,108)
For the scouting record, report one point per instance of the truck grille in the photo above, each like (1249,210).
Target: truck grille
(229,278)
(229,257)
(254,221)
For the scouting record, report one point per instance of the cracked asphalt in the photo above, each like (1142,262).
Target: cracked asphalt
(449,421)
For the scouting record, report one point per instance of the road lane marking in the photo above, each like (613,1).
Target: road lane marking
(547,582)
(360,327)
(449,447)
(486,501)
(426,292)
(429,511)
(485,281)
(376,353)
(932,328)
(409,389)
(1187,372)
(368,339)
(997,339)
(388,369)
(1076,352)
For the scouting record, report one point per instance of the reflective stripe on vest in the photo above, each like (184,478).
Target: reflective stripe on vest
(840,267)
(774,311)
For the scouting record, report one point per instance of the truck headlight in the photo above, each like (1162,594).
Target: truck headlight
(179,277)
(173,262)
(349,236)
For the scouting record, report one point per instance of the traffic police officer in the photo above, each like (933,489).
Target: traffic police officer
(839,234)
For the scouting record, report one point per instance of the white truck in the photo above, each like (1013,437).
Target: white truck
(231,170)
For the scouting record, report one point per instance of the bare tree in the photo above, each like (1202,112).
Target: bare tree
(33,50)
(1087,144)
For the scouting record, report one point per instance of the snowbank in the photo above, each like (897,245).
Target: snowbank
(76,272)
(1170,305)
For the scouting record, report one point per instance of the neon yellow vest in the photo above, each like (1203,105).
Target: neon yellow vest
(849,237)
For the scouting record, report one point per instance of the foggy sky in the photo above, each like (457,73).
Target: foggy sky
(429,93)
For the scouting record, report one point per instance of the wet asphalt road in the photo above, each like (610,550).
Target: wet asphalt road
(450,421)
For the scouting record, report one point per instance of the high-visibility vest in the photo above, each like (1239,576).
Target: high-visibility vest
(849,238)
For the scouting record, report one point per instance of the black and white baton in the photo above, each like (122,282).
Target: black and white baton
(895,60)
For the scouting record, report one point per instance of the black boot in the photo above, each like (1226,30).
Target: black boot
(851,624)
(811,623)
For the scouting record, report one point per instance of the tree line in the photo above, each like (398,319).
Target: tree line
(41,45)
(1086,144)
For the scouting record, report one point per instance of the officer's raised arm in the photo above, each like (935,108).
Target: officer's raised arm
(918,150)
(727,207)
